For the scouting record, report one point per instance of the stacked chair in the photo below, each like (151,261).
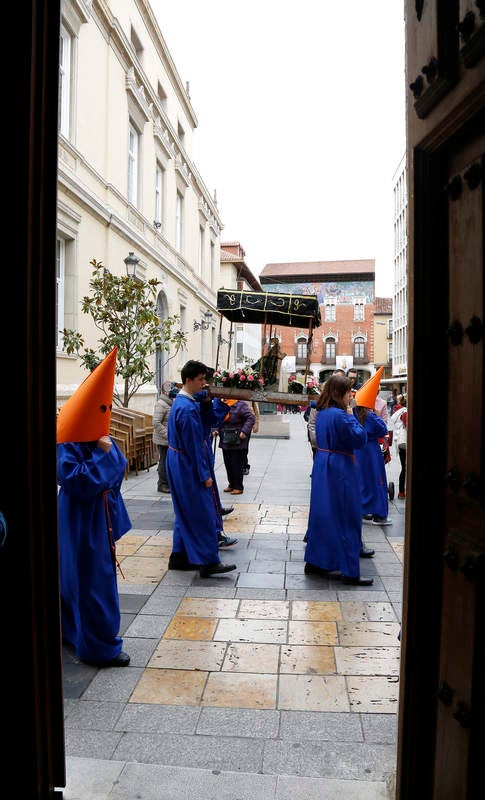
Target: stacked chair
(132,432)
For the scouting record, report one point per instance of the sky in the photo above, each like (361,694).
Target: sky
(301,122)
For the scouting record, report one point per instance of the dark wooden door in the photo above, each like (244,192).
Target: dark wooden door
(443,668)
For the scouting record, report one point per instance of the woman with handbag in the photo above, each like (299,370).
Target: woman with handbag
(234,433)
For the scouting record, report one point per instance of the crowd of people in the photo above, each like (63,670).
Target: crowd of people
(347,425)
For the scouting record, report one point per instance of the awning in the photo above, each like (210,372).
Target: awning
(271,308)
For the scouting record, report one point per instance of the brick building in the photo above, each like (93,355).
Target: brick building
(346,296)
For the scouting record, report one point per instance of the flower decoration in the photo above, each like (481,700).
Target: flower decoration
(244,378)
(312,387)
(296,387)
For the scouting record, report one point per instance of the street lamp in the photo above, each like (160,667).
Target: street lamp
(130,262)
(221,340)
(204,324)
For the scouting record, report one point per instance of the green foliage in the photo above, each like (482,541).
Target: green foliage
(124,311)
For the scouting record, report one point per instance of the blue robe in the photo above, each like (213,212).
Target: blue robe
(189,464)
(90,607)
(372,470)
(335,519)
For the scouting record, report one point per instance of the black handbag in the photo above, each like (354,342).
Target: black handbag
(230,436)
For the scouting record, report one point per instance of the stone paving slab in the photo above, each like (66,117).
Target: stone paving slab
(225,747)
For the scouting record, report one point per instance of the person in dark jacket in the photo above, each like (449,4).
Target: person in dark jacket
(234,433)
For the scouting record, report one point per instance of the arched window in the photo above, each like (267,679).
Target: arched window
(330,349)
(161,355)
(359,348)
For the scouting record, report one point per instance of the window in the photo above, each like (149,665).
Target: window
(213,251)
(359,310)
(64,82)
(180,133)
(136,42)
(183,322)
(330,349)
(389,351)
(301,348)
(60,290)
(133,143)
(201,249)
(159,190)
(330,311)
(359,348)
(179,211)
(162,96)
(390,328)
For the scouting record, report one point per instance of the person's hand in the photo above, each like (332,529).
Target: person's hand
(104,443)
(208,483)
(242,435)
(214,433)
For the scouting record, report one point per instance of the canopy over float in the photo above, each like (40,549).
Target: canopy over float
(268,309)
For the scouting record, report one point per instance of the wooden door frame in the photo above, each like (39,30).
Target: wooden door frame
(33,755)
(428,322)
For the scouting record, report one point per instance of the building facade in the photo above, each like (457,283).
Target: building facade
(400,299)
(127,182)
(346,296)
(383,326)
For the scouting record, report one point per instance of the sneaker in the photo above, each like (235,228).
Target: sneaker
(225,541)
(245,471)
(367,519)
(382,521)
(402,495)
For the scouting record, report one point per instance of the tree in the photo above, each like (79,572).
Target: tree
(124,310)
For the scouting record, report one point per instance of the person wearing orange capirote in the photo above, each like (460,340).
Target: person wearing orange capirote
(92,517)
(372,472)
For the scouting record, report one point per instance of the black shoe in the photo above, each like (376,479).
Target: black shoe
(366,552)
(178,561)
(215,569)
(162,488)
(305,538)
(225,541)
(121,660)
(357,581)
(312,569)
(225,511)
(245,471)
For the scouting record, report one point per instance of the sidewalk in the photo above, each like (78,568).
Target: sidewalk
(261,683)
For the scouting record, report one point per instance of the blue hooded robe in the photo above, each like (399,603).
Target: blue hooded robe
(372,470)
(190,463)
(335,519)
(90,502)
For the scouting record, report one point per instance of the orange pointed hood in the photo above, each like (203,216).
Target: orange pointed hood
(86,416)
(366,395)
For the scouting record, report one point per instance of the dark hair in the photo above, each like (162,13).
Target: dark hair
(192,369)
(333,391)
(351,369)
(361,413)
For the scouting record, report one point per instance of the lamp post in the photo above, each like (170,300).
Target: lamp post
(204,324)
(131,262)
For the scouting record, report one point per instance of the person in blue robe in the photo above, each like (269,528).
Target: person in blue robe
(189,471)
(334,524)
(372,469)
(92,517)
(211,414)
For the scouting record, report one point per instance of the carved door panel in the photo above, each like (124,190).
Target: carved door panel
(461,668)
(443,666)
